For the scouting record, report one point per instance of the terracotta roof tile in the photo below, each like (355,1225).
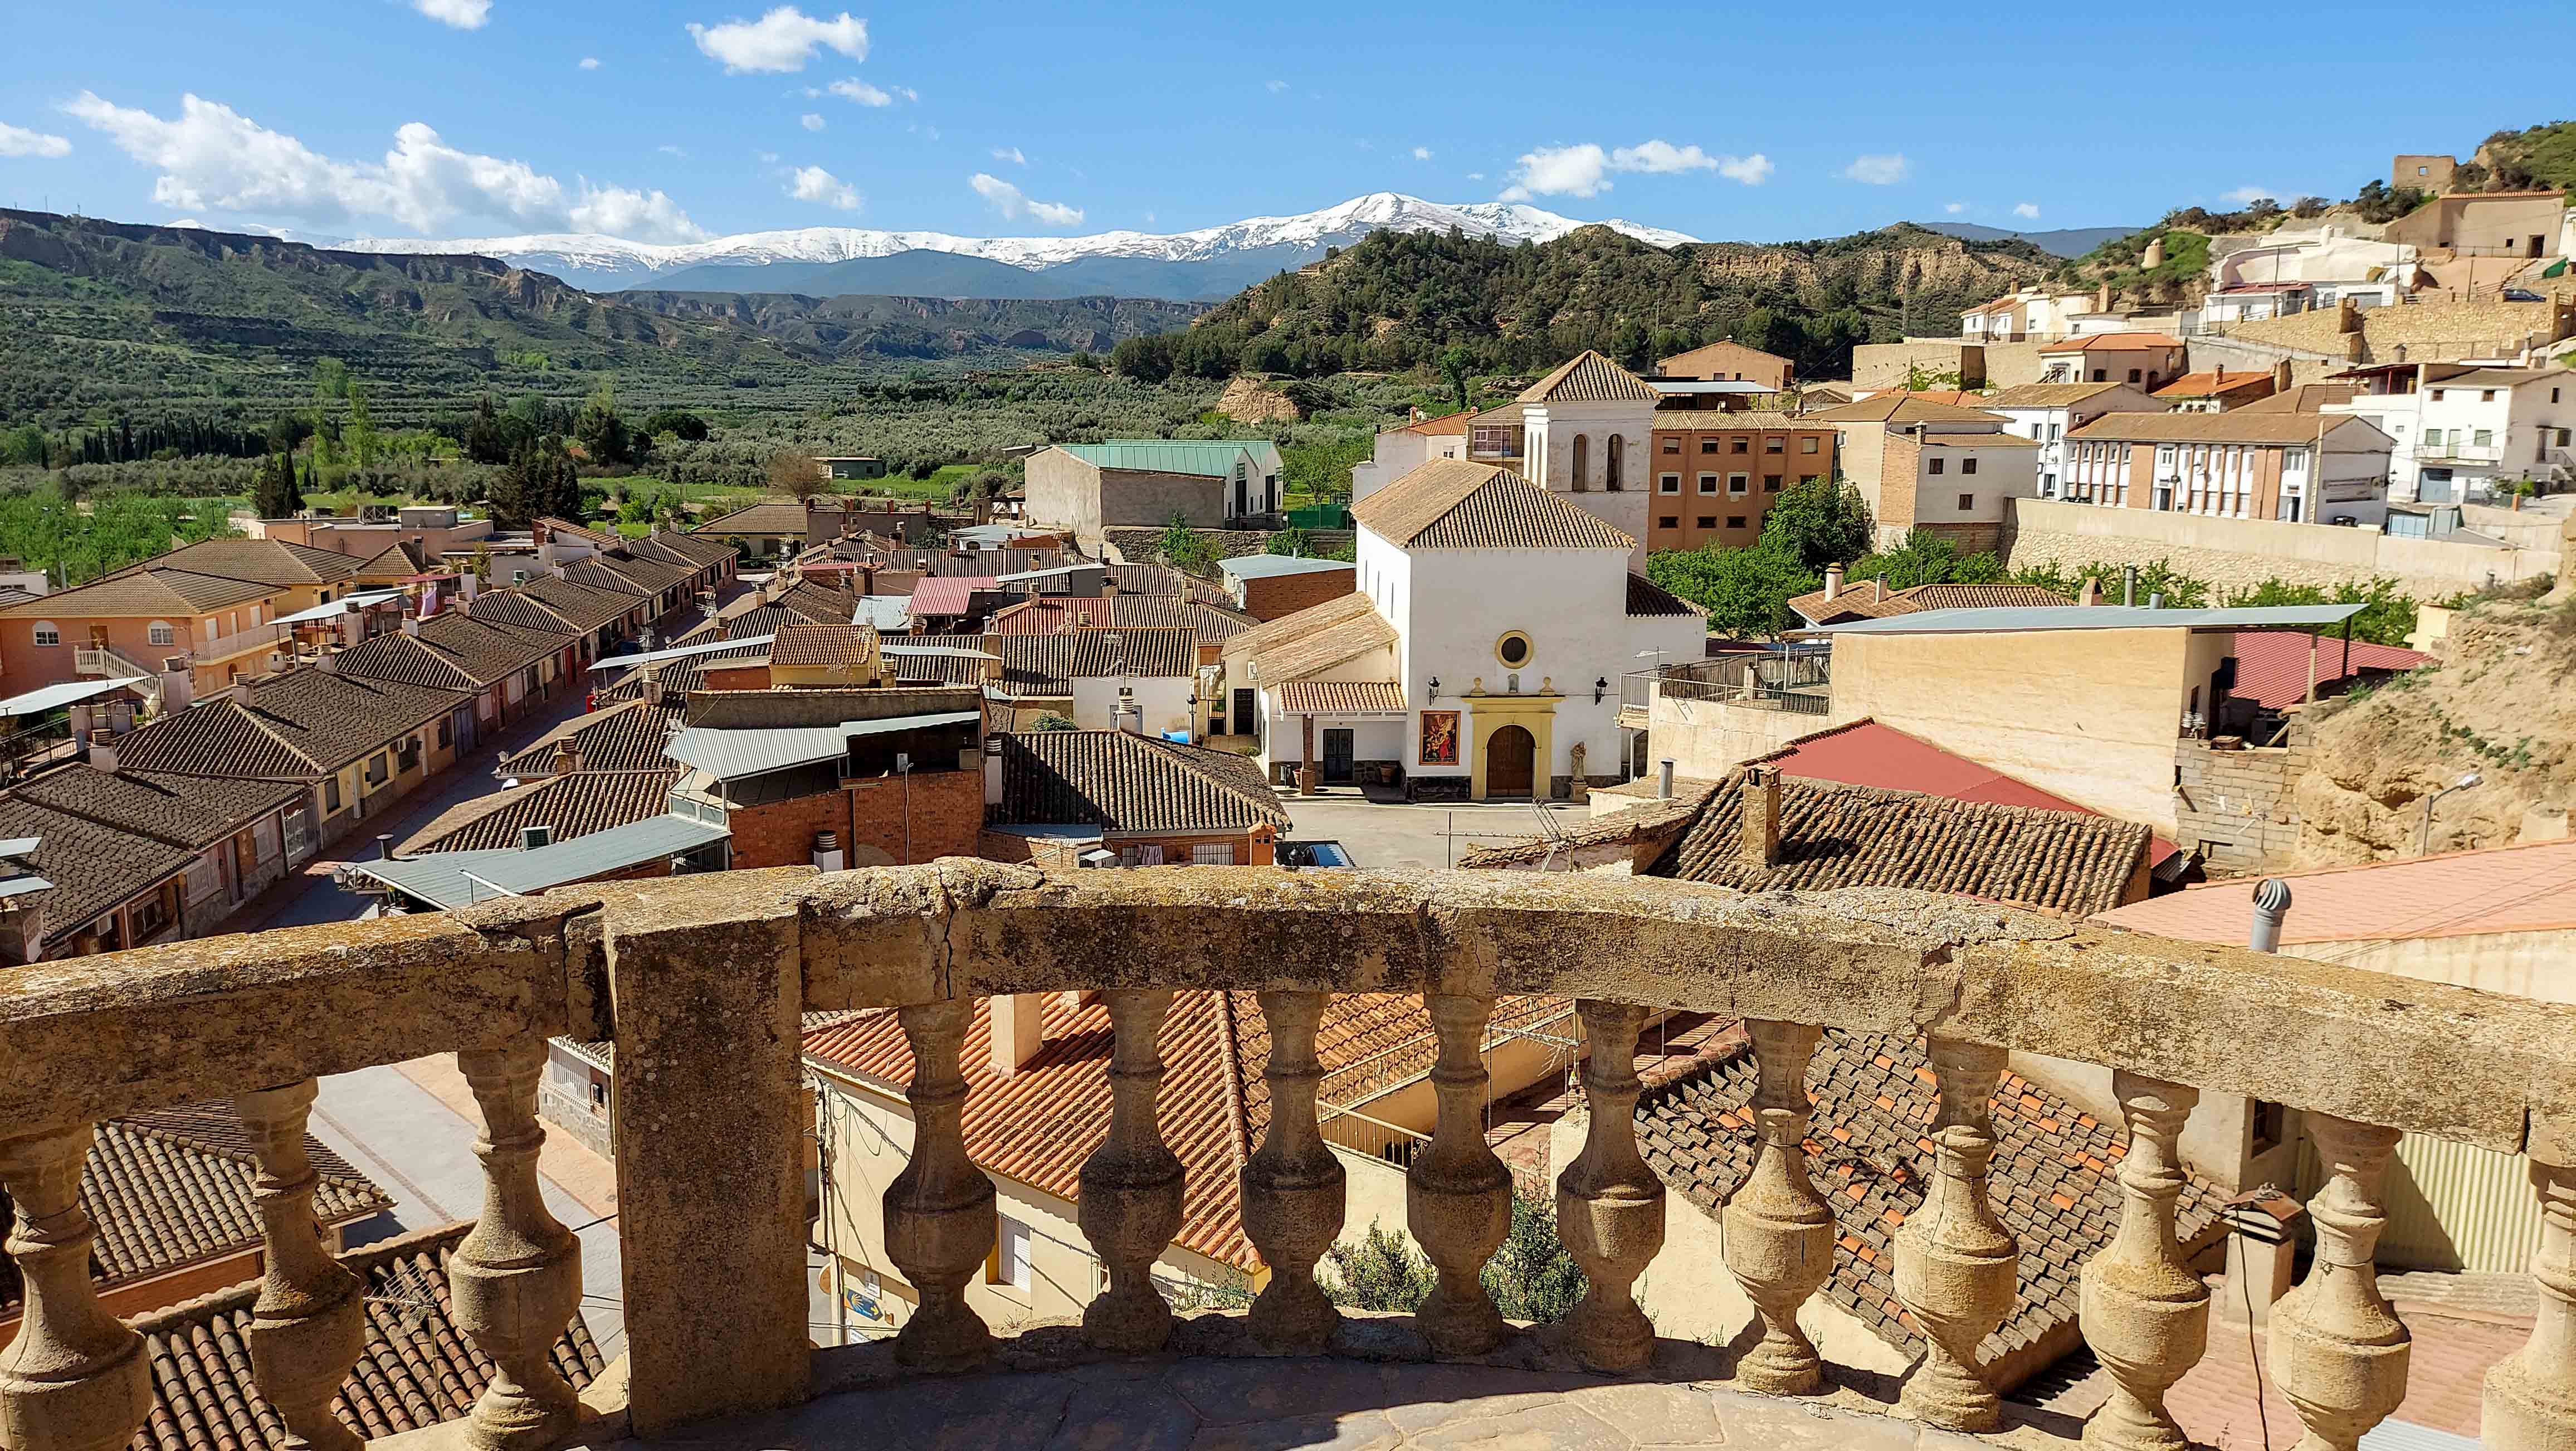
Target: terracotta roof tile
(626,736)
(573,806)
(2047,395)
(2529,888)
(416,1369)
(1647,599)
(827,646)
(1120,781)
(768,517)
(1588,377)
(453,651)
(2237,425)
(1457,504)
(2210,382)
(1314,639)
(1862,600)
(2054,1181)
(263,561)
(300,725)
(188,811)
(1901,408)
(585,607)
(1341,697)
(94,867)
(143,592)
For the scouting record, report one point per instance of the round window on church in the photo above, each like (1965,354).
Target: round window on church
(1513,649)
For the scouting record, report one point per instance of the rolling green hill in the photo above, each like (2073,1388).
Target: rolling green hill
(852,328)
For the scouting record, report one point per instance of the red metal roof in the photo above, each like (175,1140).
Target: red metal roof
(1866,753)
(2525,888)
(950,594)
(2272,665)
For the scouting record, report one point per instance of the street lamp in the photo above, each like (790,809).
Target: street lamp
(2424,837)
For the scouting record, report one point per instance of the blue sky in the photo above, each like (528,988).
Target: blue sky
(664,121)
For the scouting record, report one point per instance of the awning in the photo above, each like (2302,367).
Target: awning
(730,755)
(683,652)
(339,607)
(462,878)
(53,697)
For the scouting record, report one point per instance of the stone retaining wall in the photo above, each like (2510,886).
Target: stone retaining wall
(2239,808)
(2240,553)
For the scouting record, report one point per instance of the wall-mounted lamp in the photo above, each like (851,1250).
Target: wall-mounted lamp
(1600,688)
(1435,687)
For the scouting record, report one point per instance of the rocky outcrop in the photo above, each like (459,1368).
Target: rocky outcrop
(1250,400)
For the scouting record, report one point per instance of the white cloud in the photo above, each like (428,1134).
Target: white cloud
(784,39)
(1010,154)
(1011,202)
(19,141)
(2027,210)
(463,14)
(1475,176)
(854,89)
(1886,170)
(590,62)
(669,149)
(814,184)
(1422,153)
(810,121)
(2247,194)
(1954,208)
(1583,170)
(213,157)
(1276,86)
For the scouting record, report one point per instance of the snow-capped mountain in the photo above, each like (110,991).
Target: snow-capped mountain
(594,261)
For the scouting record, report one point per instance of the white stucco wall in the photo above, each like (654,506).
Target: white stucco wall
(1164,700)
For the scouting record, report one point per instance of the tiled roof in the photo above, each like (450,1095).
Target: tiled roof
(417,1368)
(2112,342)
(769,516)
(1037,1125)
(2047,395)
(1836,835)
(189,811)
(1688,364)
(142,592)
(1049,614)
(2210,382)
(1870,1154)
(302,724)
(837,647)
(1341,697)
(945,669)
(1120,781)
(2303,398)
(1647,598)
(2237,425)
(1637,827)
(819,604)
(1861,600)
(586,607)
(262,561)
(623,576)
(94,867)
(1314,639)
(2526,888)
(952,594)
(512,607)
(1588,377)
(1456,504)
(682,675)
(453,651)
(1043,665)
(627,736)
(173,1188)
(1750,420)
(2272,665)
(574,805)
(1448,425)
(398,560)
(1902,408)
(694,547)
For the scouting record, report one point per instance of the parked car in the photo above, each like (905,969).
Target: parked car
(1313,854)
(2522,294)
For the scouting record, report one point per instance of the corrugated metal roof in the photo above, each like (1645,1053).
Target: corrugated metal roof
(732,755)
(443,878)
(59,695)
(683,652)
(1214,458)
(1264,566)
(2018,618)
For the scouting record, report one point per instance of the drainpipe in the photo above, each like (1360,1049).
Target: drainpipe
(2271,904)
(1664,779)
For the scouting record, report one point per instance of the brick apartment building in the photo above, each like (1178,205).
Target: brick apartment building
(1269,586)
(1715,474)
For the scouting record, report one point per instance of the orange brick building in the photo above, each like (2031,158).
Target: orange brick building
(1715,474)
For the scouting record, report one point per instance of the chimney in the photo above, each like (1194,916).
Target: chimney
(567,757)
(2281,376)
(1878,591)
(411,626)
(1131,716)
(384,846)
(1664,779)
(2092,591)
(1019,1031)
(533,837)
(1759,844)
(2271,904)
(1833,580)
(2262,1248)
(827,851)
(2128,585)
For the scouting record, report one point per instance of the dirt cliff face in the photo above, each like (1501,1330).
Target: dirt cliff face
(2502,704)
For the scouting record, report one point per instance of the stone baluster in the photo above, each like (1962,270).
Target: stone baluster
(1131,1184)
(74,1379)
(1779,1231)
(1292,1185)
(1458,1195)
(2337,1350)
(939,1216)
(1609,1204)
(516,1276)
(1955,1261)
(309,1324)
(2145,1313)
(2531,1394)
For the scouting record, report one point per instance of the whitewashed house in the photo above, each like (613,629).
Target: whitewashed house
(2045,413)
(2462,429)
(1408,446)
(1480,656)
(1584,432)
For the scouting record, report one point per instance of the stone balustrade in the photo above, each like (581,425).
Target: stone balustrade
(700,982)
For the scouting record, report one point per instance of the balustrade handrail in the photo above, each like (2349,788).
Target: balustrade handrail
(700,982)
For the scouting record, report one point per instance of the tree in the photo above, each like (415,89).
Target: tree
(1455,363)
(1819,522)
(1531,1277)
(795,473)
(1186,549)
(360,431)
(1292,541)
(540,482)
(1146,359)
(273,493)
(602,432)
(1745,591)
(979,488)
(485,440)
(678,423)
(1048,720)
(1928,559)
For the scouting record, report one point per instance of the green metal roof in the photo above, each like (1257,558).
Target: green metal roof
(1212,457)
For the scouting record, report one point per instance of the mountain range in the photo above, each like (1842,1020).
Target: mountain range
(1204,265)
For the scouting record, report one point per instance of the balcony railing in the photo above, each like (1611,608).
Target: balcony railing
(699,982)
(1797,684)
(242,642)
(2484,453)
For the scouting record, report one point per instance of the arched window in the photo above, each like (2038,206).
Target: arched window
(1582,463)
(48,633)
(1610,478)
